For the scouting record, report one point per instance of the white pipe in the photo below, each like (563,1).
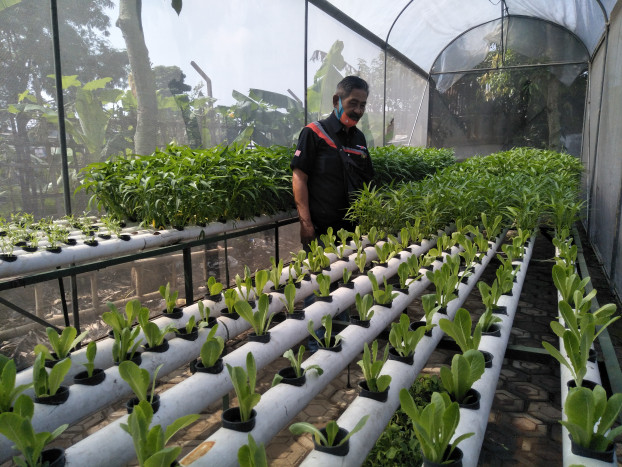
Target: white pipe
(41,260)
(401,377)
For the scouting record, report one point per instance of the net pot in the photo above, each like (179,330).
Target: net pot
(289,377)
(487,358)
(196,366)
(231,420)
(494,330)
(604,456)
(163,347)
(136,359)
(155,404)
(189,336)
(375,395)
(341,450)
(455,460)
(57,399)
(356,321)
(262,338)
(471,400)
(394,355)
(175,314)
(83,377)
(299,313)
(53,457)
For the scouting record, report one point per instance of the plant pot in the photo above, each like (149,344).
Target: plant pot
(586,383)
(83,377)
(91,242)
(405,290)
(604,456)
(53,249)
(136,359)
(341,450)
(57,399)
(104,236)
(455,460)
(71,242)
(375,395)
(51,363)
(471,400)
(487,358)
(289,377)
(327,299)
(442,310)
(30,249)
(232,315)
(500,310)
(356,321)
(196,366)
(408,359)
(175,314)
(231,420)
(347,285)
(419,324)
(214,298)
(592,354)
(296,314)
(125,237)
(189,336)
(8,258)
(384,305)
(155,404)
(53,457)
(163,347)
(263,338)
(333,347)
(279,317)
(493,330)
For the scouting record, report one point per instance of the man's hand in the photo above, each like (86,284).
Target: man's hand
(307,232)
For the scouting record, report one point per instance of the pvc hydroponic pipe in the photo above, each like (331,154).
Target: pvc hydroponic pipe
(280,405)
(402,376)
(200,390)
(42,260)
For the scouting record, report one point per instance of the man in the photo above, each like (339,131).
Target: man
(331,161)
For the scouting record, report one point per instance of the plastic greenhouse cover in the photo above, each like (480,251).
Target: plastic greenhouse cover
(425,28)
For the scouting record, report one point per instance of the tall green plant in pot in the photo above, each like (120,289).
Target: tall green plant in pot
(458,381)
(47,387)
(404,340)
(260,320)
(242,418)
(372,366)
(8,391)
(141,383)
(61,344)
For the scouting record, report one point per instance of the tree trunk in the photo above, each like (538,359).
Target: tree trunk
(553,114)
(147,118)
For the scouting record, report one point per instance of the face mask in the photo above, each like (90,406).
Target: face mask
(343,118)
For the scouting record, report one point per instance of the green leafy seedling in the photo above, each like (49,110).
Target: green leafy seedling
(252,454)
(332,429)
(363,306)
(152,332)
(8,391)
(244,386)
(212,348)
(63,344)
(170,298)
(465,370)
(91,352)
(260,320)
(296,363)
(139,379)
(45,384)
(372,365)
(323,282)
(327,322)
(214,287)
(460,330)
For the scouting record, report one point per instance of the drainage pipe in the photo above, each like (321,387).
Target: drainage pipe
(279,406)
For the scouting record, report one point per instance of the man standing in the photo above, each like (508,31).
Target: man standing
(331,161)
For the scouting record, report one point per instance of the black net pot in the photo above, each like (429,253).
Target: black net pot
(455,460)
(175,314)
(98,376)
(604,456)
(231,419)
(419,324)
(500,310)
(214,298)
(136,358)
(188,336)
(289,376)
(375,395)
(155,403)
(488,357)
(261,338)
(161,348)
(471,400)
(336,450)
(298,313)
(356,321)
(327,299)
(394,355)
(196,366)
(493,330)
(59,398)
(53,457)
(51,363)
(333,347)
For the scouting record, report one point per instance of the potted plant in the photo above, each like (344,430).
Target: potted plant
(328,342)
(149,442)
(119,321)
(190,331)
(290,303)
(345,279)
(332,439)
(206,320)
(458,381)
(430,307)
(343,235)
(259,320)
(295,374)
(385,252)
(488,323)
(490,296)
(91,376)
(61,345)
(446,285)
(231,298)
(242,418)
(261,280)
(245,285)
(589,418)
(8,391)
(170,299)
(382,297)
(364,312)
(7,247)
(139,379)
(17,427)
(125,346)
(211,351)
(492,228)
(214,289)
(252,454)
(112,225)
(375,386)
(404,340)
(275,274)
(155,337)
(361,260)
(435,425)
(577,351)
(323,294)
(414,265)
(460,331)
(403,273)
(48,389)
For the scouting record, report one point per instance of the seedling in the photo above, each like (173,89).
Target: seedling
(577,351)
(261,279)
(170,298)
(357,238)
(45,384)
(61,345)
(252,454)
(465,370)
(275,272)
(328,239)
(119,321)
(363,306)
(490,294)
(403,272)
(403,340)
(290,297)
(323,282)
(149,443)
(372,366)
(91,352)
(428,302)
(327,322)
(487,319)
(259,320)
(385,252)
(372,235)
(244,284)
(190,325)
(139,380)
(212,348)
(296,363)
(17,427)
(213,286)
(244,386)
(125,344)
(346,276)
(8,391)
(204,313)
(153,334)
(361,260)
(332,429)
(231,297)
(493,228)
(343,235)
(446,284)
(460,330)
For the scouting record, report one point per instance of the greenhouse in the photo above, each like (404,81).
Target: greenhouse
(169,294)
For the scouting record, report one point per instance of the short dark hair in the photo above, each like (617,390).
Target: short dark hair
(347,84)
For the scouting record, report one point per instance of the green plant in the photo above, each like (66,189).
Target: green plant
(61,345)
(213,286)
(252,454)
(385,252)
(414,265)
(139,380)
(578,321)
(323,282)
(361,260)
(460,330)
(119,321)
(212,348)
(487,319)
(190,325)
(316,258)
(381,296)
(446,284)
(231,297)
(357,238)
(332,429)
(276,272)
(505,276)
(328,239)
(125,344)
(244,386)
(296,363)
(260,320)
(372,235)
(91,352)
(153,334)
(17,427)
(343,236)
(371,366)
(149,443)
(403,272)
(7,246)
(492,228)
(170,298)
(244,284)
(435,425)
(428,302)
(112,224)
(45,384)
(465,370)
(204,313)
(577,351)
(261,279)
(346,276)
(568,283)
(590,415)
(8,391)
(327,322)
(290,297)
(363,306)
(490,294)
(403,340)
